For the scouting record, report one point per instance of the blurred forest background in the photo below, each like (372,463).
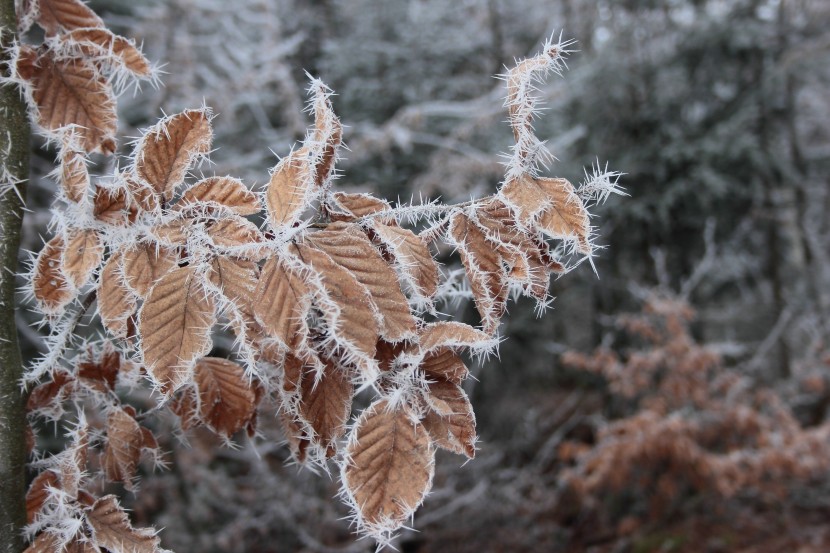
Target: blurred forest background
(676,402)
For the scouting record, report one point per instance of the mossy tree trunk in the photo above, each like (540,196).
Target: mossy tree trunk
(14,171)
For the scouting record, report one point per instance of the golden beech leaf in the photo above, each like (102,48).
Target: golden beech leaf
(553,206)
(237,279)
(114,207)
(224,191)
(74,176)
(388,467)
(84,252)
(414,260)
(146,264)
(237,231)
(347,246)
(100,44)
(482,264)
(445,364)
(451,334)
(115,301)
(51,288)
(288,191)
(38,493)
(174,324)
(71,93)
(281,303)
(227,401)
(123,449)
(111,529)
(55,15)
(168,149)
(353,322)
(352,206)
(326,403)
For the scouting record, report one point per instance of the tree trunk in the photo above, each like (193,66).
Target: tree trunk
(14,171)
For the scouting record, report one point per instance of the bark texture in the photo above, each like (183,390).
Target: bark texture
(14,171)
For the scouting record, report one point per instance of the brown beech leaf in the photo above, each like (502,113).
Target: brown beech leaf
(114,207)
(101,373)
(354,320)
(148,439)
(351,206)
(72,92)
(111,529)
(328,131)
(115,301)
(101,45)
(142,196)
(326,403)
(145,265)
(445,364)
(347,246)
(167,150)
(227,401)
(553,205)
(45,542)
(237,279)
(55,15)
(288,191)
(388,467)
(455,433)
(451,334)
(73,462)
(38,493)
(223,191)
(292,369)
(386,352)
(51,288)
(74,176)
(484,270)
(237,231)
(50,392)
(184,406)
(123,448)
(172,233)
(174,324)
(84,252)
(281,303)
(413,258)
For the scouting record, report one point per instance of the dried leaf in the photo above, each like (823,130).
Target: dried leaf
(328,131)
(281,303)
(175,324)
(388,468)
(347,246)
(451,334)
(38,493)
(74,177)
(84,252)
(223,191)
(111,529)
(45,542)
(115,301)
(455,433)
(298,442)
(146,264)
(50,392)
(292,372)
(227,401)
(148,439)
(236,231)
(326,403)
(103,372)
(72,93)
(184,406)
(50,286)
(102,45)
(353,206)
(288,192)
(168,149)
(123,449)
(55,15)
(353,322)
(173,233)
(413,258)
(237,279)
(484,270)
(444,363)
(553,205)
(114,207)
